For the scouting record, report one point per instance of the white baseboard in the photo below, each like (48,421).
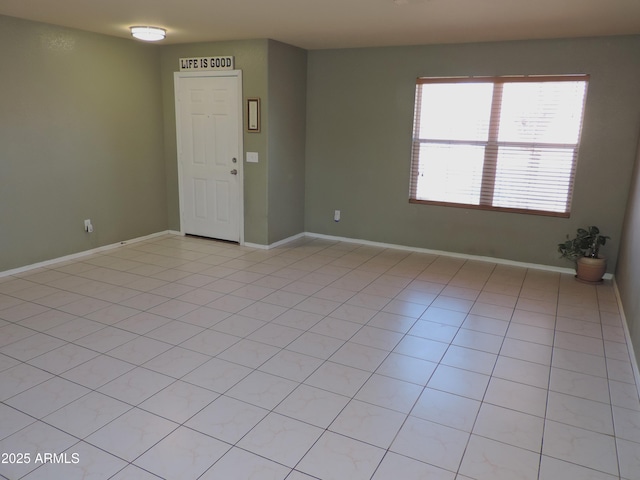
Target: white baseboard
(627,336)
(85,253)
(279,243)
(292,239)
(479,258)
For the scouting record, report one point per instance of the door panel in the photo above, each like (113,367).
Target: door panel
(200,198)
(209,136)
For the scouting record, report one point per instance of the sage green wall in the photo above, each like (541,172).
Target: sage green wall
(628,271)
(81,137)
(360,113)
(286,140)
(251,56)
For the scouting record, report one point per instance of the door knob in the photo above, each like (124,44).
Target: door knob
(234,172)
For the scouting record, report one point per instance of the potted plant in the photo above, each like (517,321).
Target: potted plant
(584,250)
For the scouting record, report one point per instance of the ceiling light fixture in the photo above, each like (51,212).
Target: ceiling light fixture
(148,34)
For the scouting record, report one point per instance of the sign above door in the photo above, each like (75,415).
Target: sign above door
(193,64)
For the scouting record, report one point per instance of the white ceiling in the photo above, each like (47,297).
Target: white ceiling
(317,24)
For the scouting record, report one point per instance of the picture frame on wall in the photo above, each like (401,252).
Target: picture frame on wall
(253,114)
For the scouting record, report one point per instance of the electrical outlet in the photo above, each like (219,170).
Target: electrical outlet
(336,216)
(87,226)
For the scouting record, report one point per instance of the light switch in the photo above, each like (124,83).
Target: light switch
(252,157)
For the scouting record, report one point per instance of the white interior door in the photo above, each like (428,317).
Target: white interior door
(209,136)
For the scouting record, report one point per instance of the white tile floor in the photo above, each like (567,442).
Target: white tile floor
(183,358)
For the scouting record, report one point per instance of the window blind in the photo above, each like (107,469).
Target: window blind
(503,143)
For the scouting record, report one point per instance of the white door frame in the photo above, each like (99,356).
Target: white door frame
(222,73)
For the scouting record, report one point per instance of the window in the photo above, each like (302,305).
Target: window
(503,143)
